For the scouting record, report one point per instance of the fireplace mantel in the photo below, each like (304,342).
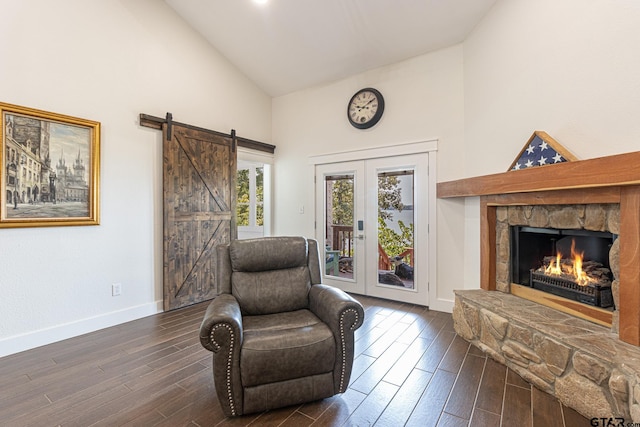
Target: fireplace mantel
(610,171)
(612,179)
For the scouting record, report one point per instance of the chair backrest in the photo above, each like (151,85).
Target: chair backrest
(269,275)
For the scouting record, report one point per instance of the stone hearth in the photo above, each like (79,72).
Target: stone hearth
(583,364)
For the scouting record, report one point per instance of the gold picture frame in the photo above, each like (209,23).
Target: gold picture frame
(50,169)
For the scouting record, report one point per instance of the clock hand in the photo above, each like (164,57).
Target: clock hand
(365,105)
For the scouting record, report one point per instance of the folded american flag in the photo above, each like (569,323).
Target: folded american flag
(541,150)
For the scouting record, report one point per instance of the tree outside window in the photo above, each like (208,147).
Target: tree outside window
(395,209)
(250,197)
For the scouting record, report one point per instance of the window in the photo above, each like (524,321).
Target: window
(253,195)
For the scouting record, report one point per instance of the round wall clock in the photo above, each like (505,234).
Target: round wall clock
(365,108)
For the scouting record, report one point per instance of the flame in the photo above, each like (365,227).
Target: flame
(557,268)
(580,275)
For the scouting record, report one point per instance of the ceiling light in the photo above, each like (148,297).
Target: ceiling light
(260,1)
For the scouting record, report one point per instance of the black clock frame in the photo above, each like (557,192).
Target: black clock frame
(377,116)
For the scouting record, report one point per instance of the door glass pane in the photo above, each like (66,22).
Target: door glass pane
(339,212)
(395,229)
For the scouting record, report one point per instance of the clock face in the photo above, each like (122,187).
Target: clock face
(365,108)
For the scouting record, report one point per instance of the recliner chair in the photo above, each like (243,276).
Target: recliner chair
(278,336)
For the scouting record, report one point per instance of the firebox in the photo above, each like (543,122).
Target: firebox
(572,264)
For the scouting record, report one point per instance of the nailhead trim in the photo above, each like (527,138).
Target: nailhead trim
(344,349)
(229,359)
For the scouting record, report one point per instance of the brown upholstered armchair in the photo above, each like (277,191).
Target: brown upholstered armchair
(278,336)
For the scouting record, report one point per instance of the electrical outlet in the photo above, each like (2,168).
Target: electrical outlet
(116,289)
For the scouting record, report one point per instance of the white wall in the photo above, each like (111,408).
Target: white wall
(567,67)
(108,61)
(423,101)
(570,68)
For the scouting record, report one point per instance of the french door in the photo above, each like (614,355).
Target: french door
(340,206)
(372,221)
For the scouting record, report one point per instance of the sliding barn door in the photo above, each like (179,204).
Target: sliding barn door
(199,206)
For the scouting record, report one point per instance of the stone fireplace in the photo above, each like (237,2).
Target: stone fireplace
(567,262)
(586,356)
(596,225)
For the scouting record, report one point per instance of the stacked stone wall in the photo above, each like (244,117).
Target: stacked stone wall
(583,364)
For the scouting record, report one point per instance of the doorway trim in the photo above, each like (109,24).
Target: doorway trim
(409,148)
(430,147)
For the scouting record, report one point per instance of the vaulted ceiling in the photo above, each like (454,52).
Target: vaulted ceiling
(287,45)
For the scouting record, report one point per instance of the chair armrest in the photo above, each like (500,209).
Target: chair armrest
(221,333)
(333,306)
(222,324)
(343,314)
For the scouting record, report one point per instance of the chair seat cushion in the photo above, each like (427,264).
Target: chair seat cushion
(284,346)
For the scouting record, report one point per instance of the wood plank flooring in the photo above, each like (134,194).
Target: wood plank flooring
(410,369)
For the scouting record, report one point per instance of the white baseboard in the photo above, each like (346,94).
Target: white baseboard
(443,305)
(27,341)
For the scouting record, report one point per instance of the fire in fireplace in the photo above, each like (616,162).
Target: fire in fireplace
(573,264)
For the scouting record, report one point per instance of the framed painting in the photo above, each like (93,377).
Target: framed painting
(50,169)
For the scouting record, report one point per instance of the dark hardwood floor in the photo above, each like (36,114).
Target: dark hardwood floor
(410,369)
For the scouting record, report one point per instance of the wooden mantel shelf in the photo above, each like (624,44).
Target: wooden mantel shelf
(617,170)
